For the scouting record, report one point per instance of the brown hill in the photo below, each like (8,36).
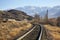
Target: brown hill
(14,14)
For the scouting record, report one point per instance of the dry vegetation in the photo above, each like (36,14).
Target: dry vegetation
(53,31)
(10,29)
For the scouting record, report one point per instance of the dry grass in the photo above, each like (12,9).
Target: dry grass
(11,29)
(54,31)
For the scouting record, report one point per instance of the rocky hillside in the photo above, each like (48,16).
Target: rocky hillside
(14,14)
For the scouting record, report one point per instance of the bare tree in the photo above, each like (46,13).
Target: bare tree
(37,18)
(46,17)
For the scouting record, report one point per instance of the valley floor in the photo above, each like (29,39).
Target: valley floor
(53,32)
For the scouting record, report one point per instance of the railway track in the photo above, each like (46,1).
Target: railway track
(34,34)
(40,35)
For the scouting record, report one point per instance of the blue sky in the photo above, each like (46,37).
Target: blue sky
(9,4)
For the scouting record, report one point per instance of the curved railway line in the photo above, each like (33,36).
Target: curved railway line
(33,34)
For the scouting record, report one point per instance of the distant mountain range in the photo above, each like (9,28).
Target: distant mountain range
(31,10)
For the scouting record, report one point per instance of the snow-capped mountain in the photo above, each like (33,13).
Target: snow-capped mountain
(31,10)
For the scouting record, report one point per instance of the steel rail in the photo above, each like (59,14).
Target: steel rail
(20,38)
(40,36)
